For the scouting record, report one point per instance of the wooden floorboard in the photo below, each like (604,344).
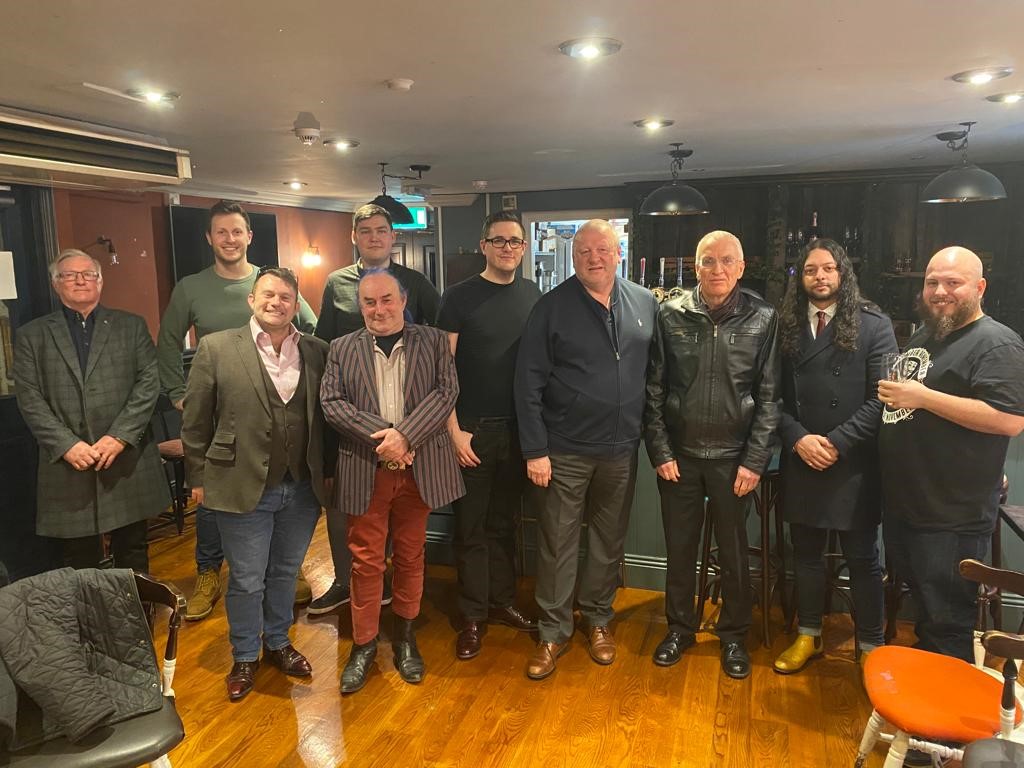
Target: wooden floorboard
(486,713)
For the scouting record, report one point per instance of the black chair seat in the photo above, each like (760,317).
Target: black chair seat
(124,745)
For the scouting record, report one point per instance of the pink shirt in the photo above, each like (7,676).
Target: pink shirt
(283,369)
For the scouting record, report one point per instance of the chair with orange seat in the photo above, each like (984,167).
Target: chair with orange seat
(938,703)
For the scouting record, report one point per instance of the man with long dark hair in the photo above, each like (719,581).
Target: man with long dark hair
(832,346)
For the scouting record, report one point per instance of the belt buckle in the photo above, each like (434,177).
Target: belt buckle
(393,466)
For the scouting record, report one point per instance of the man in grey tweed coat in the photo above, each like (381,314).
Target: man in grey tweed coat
(87,382)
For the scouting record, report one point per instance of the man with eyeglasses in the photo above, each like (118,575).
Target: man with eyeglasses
(484,317)
(579,394)
(259,455)
(832,343)
(215,299)
(712,410)
(373,235)
(87,383)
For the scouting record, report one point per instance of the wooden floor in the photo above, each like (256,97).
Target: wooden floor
(485,712)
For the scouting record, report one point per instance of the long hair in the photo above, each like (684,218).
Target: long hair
(793,312)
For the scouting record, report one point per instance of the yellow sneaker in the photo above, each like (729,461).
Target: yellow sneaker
(795,658)
(205,594)
(303,592)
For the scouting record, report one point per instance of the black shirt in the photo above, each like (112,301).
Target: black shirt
(489,318)
(387,343)
(81,332)
(938,475)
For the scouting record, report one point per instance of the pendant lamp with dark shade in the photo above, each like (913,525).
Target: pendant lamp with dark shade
(966,183)
(675,198)
(399,213)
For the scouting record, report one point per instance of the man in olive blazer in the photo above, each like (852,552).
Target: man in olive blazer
(256,454)
(87,383)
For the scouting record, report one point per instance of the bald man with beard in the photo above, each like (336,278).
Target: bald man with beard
(946,427)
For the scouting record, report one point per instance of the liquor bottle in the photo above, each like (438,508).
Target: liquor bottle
(813,231)
(791,249)
(659,289)
(677,291)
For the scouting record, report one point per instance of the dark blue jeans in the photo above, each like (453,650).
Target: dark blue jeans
(860,550)
(264,549)
(929,561)
(209,552)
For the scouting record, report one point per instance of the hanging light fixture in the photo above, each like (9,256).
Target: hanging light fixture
(966,183)
(399,213)
(675,198)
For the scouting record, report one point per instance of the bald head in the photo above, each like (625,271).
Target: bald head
(958,259)
(595,257)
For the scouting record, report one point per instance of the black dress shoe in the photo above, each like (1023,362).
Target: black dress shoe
(510,616)
(358,667)
(240,679)
(467,642)
(735,660)
(670,650)
(407,657)
(289,661)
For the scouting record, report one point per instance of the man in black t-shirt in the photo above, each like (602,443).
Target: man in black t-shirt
(946,427)
(484,317)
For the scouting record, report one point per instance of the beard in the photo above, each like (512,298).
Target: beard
(941,325)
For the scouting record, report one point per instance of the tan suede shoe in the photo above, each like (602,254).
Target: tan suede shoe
(795,658)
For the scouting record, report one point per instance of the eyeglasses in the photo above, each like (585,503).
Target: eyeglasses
(515,243)
(828,269)
(727,262)
(88,275)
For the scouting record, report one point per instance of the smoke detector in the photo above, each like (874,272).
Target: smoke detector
(307,129)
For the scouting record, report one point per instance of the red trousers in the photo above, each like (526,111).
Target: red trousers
(395,504)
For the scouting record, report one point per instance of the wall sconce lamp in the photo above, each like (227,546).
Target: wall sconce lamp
(103,240)
(311,257)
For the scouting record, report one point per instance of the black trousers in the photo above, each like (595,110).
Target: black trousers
(487,516)
(682,515)
(128,547)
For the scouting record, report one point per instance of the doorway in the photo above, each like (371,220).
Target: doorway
(550,235)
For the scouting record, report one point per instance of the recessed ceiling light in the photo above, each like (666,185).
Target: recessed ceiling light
(152,97)
(653,123)
(296,185)
(341,144)
(1006,98)
(982,75)
(590,47)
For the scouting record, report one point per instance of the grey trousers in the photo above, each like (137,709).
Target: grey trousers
(599,491)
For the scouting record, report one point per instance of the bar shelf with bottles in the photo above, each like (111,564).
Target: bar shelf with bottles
(847,235)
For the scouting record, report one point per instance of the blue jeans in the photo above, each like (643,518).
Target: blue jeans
(264,549)
(946,602)
(209,553)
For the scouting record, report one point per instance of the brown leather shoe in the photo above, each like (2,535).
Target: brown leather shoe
(240,679)
(510,616)
(542,663)
(602,645)
(289,661)
(467,642)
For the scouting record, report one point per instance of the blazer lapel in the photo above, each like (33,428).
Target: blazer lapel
(62,338)
(364,358)
(100,336)
(813,347)
(312,381)
(250,358)
(412,353)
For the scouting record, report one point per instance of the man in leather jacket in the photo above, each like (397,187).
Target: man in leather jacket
(712,408)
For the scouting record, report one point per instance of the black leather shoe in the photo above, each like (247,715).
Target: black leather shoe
(467,642)
(360,661)
(289,661)
(240,679)
(407,658)
(510,616)
(735,660)
(670,650)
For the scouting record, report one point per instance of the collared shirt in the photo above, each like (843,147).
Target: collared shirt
(81,329)
(284,368)
(812,316)
(390,375)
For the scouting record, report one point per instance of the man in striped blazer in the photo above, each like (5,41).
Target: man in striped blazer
(388,390)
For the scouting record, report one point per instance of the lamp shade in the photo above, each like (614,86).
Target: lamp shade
(674,199)
(963,184)
(399,213)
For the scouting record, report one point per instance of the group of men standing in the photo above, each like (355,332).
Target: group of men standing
(381,418)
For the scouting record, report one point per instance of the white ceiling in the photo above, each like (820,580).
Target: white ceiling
(754,87)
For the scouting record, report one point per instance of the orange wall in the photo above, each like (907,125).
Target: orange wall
(141,281)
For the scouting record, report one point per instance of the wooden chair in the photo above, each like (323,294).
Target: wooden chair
(166,426)
(143,739)
(938,703)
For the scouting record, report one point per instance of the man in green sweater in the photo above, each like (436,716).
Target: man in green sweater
(215,299)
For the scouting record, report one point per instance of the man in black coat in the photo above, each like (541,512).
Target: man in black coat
(832,345)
